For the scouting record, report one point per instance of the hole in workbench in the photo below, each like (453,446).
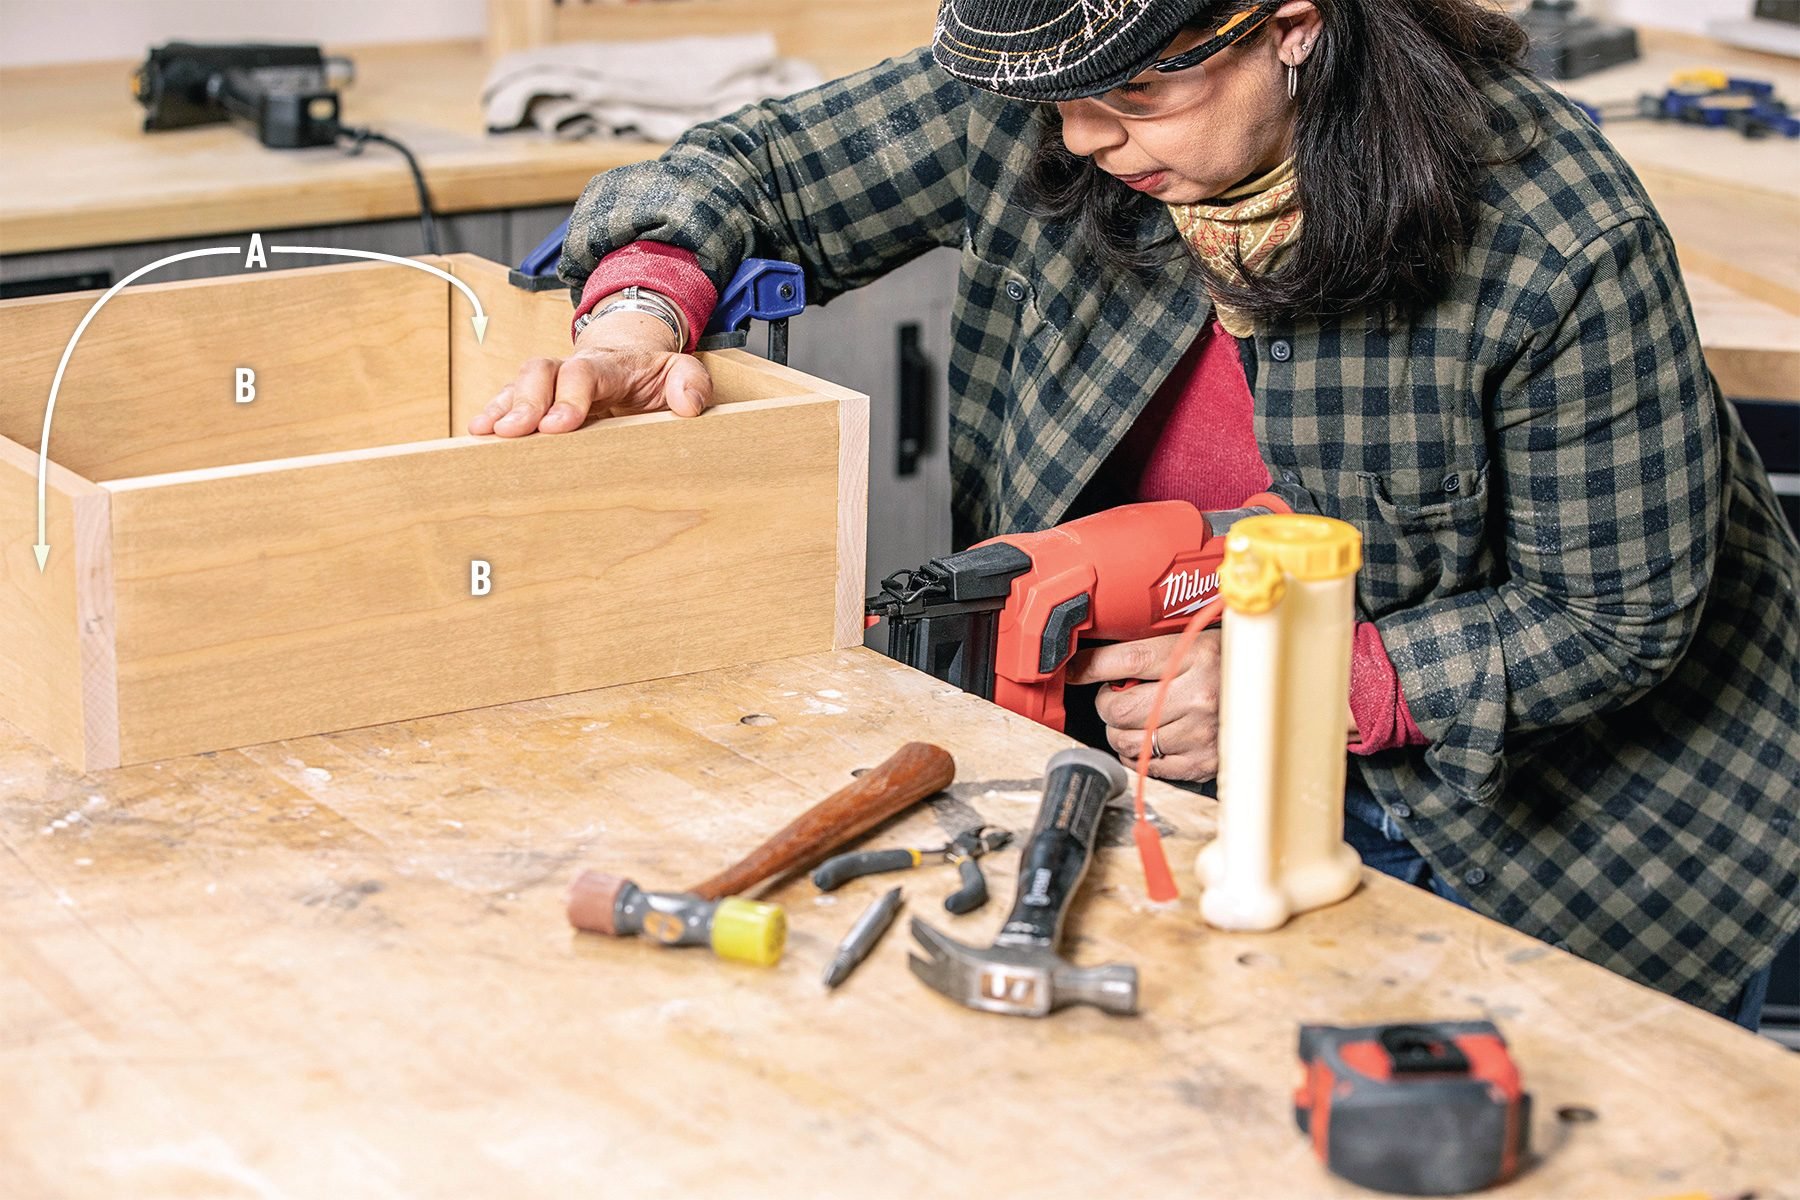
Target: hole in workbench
(1576,1114)
(756,719)
(859,772)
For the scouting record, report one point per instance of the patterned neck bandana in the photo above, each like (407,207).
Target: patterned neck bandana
(1251,224)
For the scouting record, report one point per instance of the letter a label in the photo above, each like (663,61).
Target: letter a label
(257,257)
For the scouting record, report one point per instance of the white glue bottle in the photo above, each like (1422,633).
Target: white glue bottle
(1288,583)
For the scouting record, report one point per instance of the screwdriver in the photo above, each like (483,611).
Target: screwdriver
(862,937)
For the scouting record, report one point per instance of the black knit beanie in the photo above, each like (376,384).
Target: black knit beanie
(1057,49)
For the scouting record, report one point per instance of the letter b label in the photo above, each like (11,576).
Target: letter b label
(246,385)
(481,577)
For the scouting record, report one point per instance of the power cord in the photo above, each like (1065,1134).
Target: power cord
(354,137)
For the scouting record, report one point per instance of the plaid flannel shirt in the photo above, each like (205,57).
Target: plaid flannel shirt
(1571,550)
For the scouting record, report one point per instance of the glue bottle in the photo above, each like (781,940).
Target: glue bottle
(1288,582)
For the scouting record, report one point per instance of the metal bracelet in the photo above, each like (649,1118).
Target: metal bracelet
(641,300)
(674,310)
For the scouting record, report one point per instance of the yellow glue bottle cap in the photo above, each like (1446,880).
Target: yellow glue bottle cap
(1260,550)
(749,931)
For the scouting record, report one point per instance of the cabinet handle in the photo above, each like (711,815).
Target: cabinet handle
(915,402)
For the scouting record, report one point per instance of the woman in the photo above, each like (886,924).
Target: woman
(1347,251)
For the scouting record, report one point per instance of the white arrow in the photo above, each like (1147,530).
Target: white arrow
(42,548)
(479,320)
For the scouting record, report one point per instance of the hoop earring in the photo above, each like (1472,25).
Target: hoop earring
(1294,71)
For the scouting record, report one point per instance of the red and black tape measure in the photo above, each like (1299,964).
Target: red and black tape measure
(1433,1109)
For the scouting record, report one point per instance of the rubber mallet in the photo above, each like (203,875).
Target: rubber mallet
(713,913)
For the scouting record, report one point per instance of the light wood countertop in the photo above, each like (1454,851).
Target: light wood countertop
(1732,204)
(80,171)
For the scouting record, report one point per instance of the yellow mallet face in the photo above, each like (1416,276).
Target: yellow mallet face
(749,931)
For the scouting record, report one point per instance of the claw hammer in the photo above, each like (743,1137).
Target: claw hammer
(1021,974)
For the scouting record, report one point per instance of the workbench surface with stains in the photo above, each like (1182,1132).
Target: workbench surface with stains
(340,966)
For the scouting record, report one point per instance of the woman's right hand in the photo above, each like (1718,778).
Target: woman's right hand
(625,362)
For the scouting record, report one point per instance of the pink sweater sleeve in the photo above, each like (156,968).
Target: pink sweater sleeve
(665,269)
(1383,721)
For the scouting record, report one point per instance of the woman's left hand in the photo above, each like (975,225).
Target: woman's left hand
(1188,733)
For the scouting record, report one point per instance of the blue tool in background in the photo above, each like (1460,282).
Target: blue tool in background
(1713,100)
(763,289)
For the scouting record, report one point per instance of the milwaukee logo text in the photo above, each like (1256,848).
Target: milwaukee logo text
(1185,591)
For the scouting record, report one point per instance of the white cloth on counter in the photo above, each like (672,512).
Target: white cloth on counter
(653,90)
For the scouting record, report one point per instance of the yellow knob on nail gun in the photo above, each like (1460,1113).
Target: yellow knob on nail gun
(1249,582)
(749,931)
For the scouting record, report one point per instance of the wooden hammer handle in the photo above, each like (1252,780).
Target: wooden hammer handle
(915,771)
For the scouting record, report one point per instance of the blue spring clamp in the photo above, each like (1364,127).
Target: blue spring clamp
(763,289)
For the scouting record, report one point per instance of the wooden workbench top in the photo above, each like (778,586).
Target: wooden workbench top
(340,966)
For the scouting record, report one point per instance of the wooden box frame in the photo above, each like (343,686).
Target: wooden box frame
(225,574)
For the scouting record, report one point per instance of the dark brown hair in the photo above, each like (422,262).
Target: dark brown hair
(1391,131)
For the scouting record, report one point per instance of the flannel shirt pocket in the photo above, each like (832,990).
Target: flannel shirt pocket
(1420,533)
(1005,290)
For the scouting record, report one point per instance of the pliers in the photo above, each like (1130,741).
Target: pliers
(963,850)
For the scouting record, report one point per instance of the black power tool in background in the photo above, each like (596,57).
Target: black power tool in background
(1566,45)
(286,95)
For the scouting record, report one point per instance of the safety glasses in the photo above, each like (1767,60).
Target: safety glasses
(1179,80)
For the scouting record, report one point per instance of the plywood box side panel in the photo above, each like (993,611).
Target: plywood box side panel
(525,325)
(96,622)
(853,517)
(487,278)
(271,466)
(741,375)
(521,325)
(52,663)
(344,356)
(268,605)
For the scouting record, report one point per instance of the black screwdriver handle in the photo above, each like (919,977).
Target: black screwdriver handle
(834,873)
(1078,784)
(972,894)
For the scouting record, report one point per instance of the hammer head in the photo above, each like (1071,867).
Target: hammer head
(1018,981)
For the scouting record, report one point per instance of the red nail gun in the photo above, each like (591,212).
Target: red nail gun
(1002,618)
